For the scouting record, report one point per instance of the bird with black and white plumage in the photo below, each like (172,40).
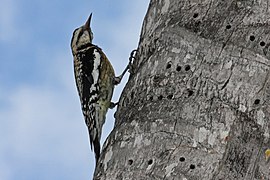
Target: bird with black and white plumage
(95,80)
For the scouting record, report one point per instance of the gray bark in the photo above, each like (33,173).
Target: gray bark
(197,103)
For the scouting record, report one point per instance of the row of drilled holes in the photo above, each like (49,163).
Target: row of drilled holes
(251,37)
(182,159)
(187,68)
(178,68)
(130,162)
(149,162)
(190,92)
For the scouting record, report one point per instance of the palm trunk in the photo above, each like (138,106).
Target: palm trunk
(196,105)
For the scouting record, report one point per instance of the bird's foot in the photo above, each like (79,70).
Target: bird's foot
(118,79)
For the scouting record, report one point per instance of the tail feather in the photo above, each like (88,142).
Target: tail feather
(94,121)
(96,149)
(94,141)
(94,129)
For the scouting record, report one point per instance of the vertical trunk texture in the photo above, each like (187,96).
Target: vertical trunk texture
(196,106)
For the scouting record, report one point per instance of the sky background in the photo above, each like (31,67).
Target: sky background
(42,131)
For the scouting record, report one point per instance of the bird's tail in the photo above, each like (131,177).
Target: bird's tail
(95,128)
(96,149)
(95,141)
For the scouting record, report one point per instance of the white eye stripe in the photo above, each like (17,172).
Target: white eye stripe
(75,37)
(81,37)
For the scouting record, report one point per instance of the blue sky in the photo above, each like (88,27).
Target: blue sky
(42,131)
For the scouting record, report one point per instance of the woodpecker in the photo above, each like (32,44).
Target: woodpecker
(95,81)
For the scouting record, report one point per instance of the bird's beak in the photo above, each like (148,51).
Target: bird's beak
(87,24)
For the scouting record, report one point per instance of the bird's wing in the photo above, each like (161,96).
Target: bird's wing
(87,80)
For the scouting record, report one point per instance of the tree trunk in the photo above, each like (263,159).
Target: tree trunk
(196,105)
